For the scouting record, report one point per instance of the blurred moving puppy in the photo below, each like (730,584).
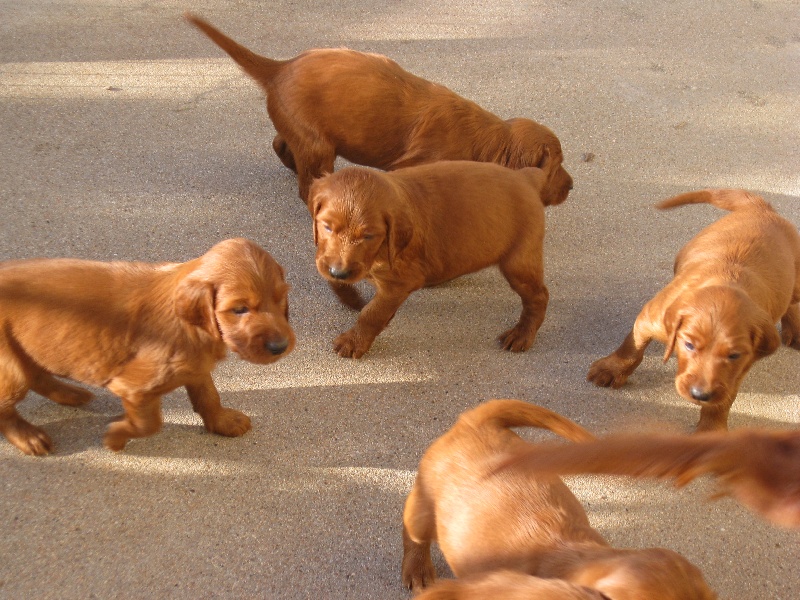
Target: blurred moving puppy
(487,519)
(367,109)
(421,226)
(140,330)
(733,281)
(760,468)
(508,585)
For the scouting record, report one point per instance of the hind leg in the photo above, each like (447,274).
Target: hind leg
(312,164)
(418,530)
(48,386)
(284,153)
(14,385)
(790,327)
(525,275)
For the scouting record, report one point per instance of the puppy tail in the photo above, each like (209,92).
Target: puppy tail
(725,199)
(260,68)
(516,413)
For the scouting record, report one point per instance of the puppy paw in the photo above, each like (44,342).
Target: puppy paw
(29,439)
(350,345)
(790,338)
(230,422)
(517,339)
(117,436)
(418,571)
(608,372)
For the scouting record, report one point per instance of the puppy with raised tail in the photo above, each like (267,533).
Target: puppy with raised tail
(139,330)
(363,107)
(733,281)
(488,519)
(420,226)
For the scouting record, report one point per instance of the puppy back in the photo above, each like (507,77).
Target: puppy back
(260,68)
(516,413)
(726,199)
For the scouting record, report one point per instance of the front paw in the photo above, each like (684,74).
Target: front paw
(351,345)
(230,422)
(609,372)
(117,435)
(418,571)
(28,438)
(518,339)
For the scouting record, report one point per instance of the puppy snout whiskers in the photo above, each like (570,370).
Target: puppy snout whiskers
(277,347)
(339,273)
(700,394)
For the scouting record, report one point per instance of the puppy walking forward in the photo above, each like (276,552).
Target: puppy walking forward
(140,330)
(733,282)
(425,225)
(487,519)
(326,103)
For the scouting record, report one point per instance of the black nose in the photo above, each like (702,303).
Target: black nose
(699,394)
(277,346)
(337,273)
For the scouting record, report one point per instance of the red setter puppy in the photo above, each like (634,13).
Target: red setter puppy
(732,283)
(364,107)
(421,226)
(139,330)
(761,469)
(487,519)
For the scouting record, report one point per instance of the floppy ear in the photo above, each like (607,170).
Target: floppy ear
(673,317)
(399,232)
(194,303)
(765,336)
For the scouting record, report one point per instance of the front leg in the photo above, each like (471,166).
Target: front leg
(372,319)
(714,417)
(614,369)
(142,418)
(216,418)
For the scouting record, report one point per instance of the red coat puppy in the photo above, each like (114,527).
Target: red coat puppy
(488,519)
(367,109)
(733,281)
(421,226)
(140,330)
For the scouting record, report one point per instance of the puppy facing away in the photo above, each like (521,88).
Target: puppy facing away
(508,585)
(761,469)
(139,330)
(487,519)
(733,281)
(326,103)
(425,225)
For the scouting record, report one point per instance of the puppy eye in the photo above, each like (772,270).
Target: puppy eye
(689,346)
(327,227)
(368,236)
(241,310)
(734,356)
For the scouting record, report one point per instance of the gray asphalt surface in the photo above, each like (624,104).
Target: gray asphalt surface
(126,134)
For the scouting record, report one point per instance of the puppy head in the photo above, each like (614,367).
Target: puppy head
(717,333)
(652,573)
(236,293)
(534,145)
(359,220)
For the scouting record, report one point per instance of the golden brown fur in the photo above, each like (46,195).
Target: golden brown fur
(364,107)
(140,330)
(487,519)
(508,585)
(759,468)
(424,225)
(732,283)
